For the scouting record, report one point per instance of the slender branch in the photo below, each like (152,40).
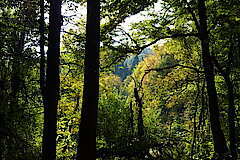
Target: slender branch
(113,62)
(141,82)
(168,67)
(218,18)
(220,69)
(230,56)
(189,8)
(140,49)
(173,66)
(135,81)
(123,55)
(169,36)
(130,37)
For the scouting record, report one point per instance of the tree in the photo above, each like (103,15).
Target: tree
(19,106)
(75,41)
(52,82)
(88,124)
(225,62)
(182,28)
(179,102)
(220,145)
(42,52)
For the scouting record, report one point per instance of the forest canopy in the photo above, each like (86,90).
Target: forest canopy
(111,79)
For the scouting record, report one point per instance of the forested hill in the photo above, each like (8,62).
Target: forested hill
(126,67)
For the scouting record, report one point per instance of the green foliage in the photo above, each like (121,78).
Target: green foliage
(20,106)
(174,99)
(172,102)
(113,119)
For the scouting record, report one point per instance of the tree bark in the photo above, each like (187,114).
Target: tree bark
(42,52)
(88,124)
(231,109)
(231,118)
(131,119)
(140,116)
(52,82)
(220,146)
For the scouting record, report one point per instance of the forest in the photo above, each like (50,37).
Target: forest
(119,80)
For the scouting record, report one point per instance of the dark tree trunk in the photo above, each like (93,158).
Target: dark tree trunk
(220,146)
(16,62)
(88,124)
(231,109)
(52,82)
(140,117)
(42,52)
(231,118)
(131,119)
(16,72)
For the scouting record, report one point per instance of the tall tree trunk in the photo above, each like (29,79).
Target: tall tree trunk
(231,118)
(220,146)
(18,49)
(42,52)
(231,109)
(88,124)
(16,72)
(52,82)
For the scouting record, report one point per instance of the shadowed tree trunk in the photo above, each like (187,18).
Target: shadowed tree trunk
(140,114)
(52,82)
(131,119)
(231,107)
(16,72)
(18,52)
(220,146)
(88,124)
(42,52)
(231,117)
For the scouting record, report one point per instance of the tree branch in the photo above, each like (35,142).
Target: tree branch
(169,36)
(130,37)
(173,66)
(189,8)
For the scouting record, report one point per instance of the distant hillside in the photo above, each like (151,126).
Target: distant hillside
(125,68)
